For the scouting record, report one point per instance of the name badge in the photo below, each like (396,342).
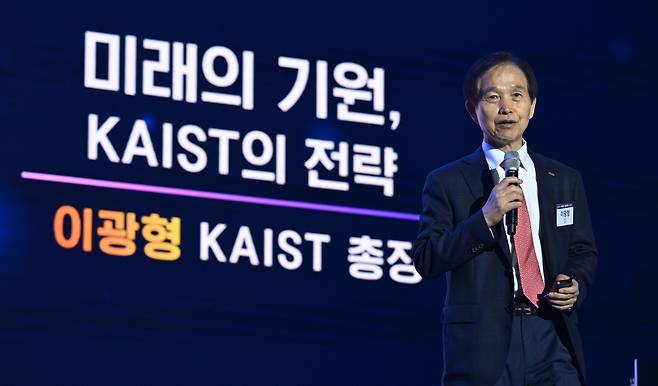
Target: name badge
(564,214)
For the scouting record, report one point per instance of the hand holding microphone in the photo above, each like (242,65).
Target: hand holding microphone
(506,197)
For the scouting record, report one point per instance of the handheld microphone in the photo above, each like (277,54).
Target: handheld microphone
(511,164)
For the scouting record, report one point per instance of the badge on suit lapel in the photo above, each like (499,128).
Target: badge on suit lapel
(564,214)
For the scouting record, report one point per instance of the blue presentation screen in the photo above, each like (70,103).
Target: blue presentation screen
(228,193)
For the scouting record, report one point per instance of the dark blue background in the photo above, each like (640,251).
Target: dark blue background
(72,318)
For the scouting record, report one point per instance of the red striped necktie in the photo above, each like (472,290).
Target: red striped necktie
(531,280)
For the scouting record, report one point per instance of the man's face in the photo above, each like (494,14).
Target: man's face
(505,107)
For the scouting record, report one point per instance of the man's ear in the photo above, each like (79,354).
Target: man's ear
(471,111)
(532,108)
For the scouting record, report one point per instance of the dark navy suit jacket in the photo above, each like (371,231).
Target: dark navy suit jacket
(454,239)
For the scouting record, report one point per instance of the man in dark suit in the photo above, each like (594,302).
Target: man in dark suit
(504,320)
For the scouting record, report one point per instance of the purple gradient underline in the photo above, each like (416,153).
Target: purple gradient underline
(217,196)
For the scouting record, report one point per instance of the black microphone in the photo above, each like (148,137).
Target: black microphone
(511,164)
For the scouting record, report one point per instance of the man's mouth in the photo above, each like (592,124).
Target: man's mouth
(506,123)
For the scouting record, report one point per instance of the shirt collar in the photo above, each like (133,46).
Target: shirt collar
(496,156)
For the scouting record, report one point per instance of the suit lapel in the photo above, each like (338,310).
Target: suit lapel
(474,174)
(480,181)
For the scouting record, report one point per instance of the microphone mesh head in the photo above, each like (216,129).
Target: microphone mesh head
(512,161)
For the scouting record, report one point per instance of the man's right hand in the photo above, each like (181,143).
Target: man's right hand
(504,197)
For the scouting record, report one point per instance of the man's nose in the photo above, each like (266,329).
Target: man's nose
(504,108)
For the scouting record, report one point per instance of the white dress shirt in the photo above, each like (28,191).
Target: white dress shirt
(529,176)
